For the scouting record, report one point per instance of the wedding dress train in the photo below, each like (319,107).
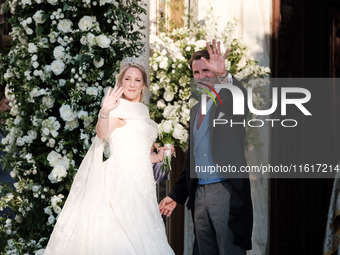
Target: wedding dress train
(112,206)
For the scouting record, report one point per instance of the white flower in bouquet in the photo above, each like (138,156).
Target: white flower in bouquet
(103,41)
(167,126)
(86,23)
(65,25)
(59,52)
(180,133)
(66,113)
(168,95)
(92,91)
(57,174)
(38,17)
(57,67)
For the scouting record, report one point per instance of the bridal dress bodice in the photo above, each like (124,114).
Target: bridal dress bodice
(112,206)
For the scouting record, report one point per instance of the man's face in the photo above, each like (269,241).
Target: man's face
(200,71)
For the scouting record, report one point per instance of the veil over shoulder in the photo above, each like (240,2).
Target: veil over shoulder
(112,206)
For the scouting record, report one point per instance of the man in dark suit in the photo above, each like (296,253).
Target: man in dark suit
(221,206)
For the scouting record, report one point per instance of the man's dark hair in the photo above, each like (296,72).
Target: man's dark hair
(197,56)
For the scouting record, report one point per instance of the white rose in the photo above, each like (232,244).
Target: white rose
(179,131)
(57,174)
(53,2)
(167,126)
(154,89)
(155,67)
(29,31)
(65,25)
(57,67)
(92,91)
(54,133)
(53,158)
(82,114)
(47,210)
(32,48)
(91,38)
(168,95)
(20,141)
(99,63)
(59,52)
(70,125)
(62,82)
(36,188)
(48,101)
(51,219)
(39,252)
(35,64)
(38,17)
(161,104)
(102,2)
(66,113)
(18,218)
(103,41)
(34,58)
(164,63)
(85,23)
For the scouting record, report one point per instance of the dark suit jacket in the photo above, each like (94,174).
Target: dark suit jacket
(231,139)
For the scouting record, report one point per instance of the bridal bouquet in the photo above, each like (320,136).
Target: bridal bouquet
(171,133)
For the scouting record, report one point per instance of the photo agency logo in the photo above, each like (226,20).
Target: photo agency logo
(295,96)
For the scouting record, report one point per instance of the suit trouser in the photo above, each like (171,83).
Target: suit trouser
(211,216)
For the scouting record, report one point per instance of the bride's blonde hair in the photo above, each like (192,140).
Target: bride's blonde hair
(122,72)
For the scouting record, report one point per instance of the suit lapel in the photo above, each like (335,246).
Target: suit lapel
(211,121)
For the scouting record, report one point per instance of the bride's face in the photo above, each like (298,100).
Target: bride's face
(132,84)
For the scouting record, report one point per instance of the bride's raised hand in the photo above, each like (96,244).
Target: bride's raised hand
(111,100)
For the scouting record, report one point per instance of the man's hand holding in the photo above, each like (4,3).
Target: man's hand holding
(166,206)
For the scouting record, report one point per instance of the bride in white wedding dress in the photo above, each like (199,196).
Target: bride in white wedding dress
(112,206)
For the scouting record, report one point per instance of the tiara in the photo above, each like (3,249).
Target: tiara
(141,61)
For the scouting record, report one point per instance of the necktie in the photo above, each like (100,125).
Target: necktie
(200,119)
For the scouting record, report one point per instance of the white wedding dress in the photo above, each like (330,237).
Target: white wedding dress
(112,206)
